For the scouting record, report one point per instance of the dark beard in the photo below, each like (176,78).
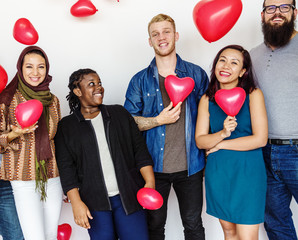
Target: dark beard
(278,36)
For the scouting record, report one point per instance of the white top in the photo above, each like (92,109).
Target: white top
(105,156)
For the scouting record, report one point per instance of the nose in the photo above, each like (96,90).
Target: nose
(35,71)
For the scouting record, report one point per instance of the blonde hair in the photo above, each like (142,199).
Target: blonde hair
(159,18)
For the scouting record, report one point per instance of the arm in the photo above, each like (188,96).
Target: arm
(167,116)
(259,125)
(204,140)
(80,211)
(148,175)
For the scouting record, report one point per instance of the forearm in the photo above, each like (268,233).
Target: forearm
(74,195)
(146,123)
(209,140)
(243,143)
(148,175)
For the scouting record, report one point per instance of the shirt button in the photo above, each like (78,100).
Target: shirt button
(160,104)
(162,134)
(157,90)
(148,94)
(161,149)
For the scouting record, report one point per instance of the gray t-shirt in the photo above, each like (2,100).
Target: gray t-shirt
(276,73)
(174,158)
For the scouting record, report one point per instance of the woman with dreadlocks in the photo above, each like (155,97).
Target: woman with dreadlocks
(28,153)
(103,161)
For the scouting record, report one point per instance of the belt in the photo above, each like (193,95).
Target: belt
(283,141)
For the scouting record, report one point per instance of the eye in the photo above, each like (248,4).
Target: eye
(235,63)
(91,84)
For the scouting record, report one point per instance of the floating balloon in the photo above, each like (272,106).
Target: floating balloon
(64,231)
(3,78)
(230,100)
(24,32)
(83,8)
(149,198)
(27,113)
(178,88)
(215,18)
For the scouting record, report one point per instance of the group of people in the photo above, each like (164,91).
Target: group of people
(101,155)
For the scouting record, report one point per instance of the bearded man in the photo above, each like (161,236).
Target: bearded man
(276,69)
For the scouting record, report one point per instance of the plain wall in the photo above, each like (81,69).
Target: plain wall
(114,42)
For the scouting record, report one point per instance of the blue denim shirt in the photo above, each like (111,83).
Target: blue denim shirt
(143,98)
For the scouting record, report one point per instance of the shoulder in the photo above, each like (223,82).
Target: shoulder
(115,109)
(256,94)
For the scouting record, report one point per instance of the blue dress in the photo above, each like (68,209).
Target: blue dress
(235,180)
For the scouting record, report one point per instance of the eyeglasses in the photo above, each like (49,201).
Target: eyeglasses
(282,8)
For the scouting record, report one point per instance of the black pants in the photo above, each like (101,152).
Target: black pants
(190,199)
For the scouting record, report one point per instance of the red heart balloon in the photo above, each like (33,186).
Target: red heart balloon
(3,78)
(27,113)
(178,88)
(149,198)
(24,32)
(230,100)
(215,18)
(83,8)
(64,231)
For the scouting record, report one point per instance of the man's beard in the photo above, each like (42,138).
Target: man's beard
(278,35)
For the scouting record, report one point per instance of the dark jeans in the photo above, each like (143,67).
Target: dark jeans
(10,228)
(106,225)
(282,179)
(190,199)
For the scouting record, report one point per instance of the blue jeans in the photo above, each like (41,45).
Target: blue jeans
(190,199)
(10,228)
(282,179)
(107,225)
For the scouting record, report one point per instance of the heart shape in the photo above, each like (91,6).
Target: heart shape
(149,198)
(3,78)
(27,113)
(230,100)
(64,231)
(178,88)
(24,32)
(215,18)
(83,8)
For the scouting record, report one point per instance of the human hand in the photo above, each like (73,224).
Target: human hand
(81,214)
(149,185)
(169,114)
(229,126)
(212,150)
(17,131)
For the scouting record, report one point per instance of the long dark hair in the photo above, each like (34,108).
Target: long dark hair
(74,82)
(246,81)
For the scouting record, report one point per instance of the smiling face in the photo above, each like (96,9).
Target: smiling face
(34,69)
(229,68)
(278,18)
(163,38)
(90,91)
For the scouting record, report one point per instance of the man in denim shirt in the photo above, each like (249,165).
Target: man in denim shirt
(10,228)
(169,131)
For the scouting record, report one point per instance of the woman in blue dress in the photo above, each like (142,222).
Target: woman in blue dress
(235,175)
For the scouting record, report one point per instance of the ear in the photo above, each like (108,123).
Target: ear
(176,36)
(242,72)
(295,13)
(77,92)
(150,43)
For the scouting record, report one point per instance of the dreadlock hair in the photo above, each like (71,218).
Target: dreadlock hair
(74,82)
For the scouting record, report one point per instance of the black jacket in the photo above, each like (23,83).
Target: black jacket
(79,161)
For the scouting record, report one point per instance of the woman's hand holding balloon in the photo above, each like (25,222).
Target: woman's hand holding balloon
(229,126)
(17,131)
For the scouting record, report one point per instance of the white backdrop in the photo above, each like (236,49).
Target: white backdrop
(114,42)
